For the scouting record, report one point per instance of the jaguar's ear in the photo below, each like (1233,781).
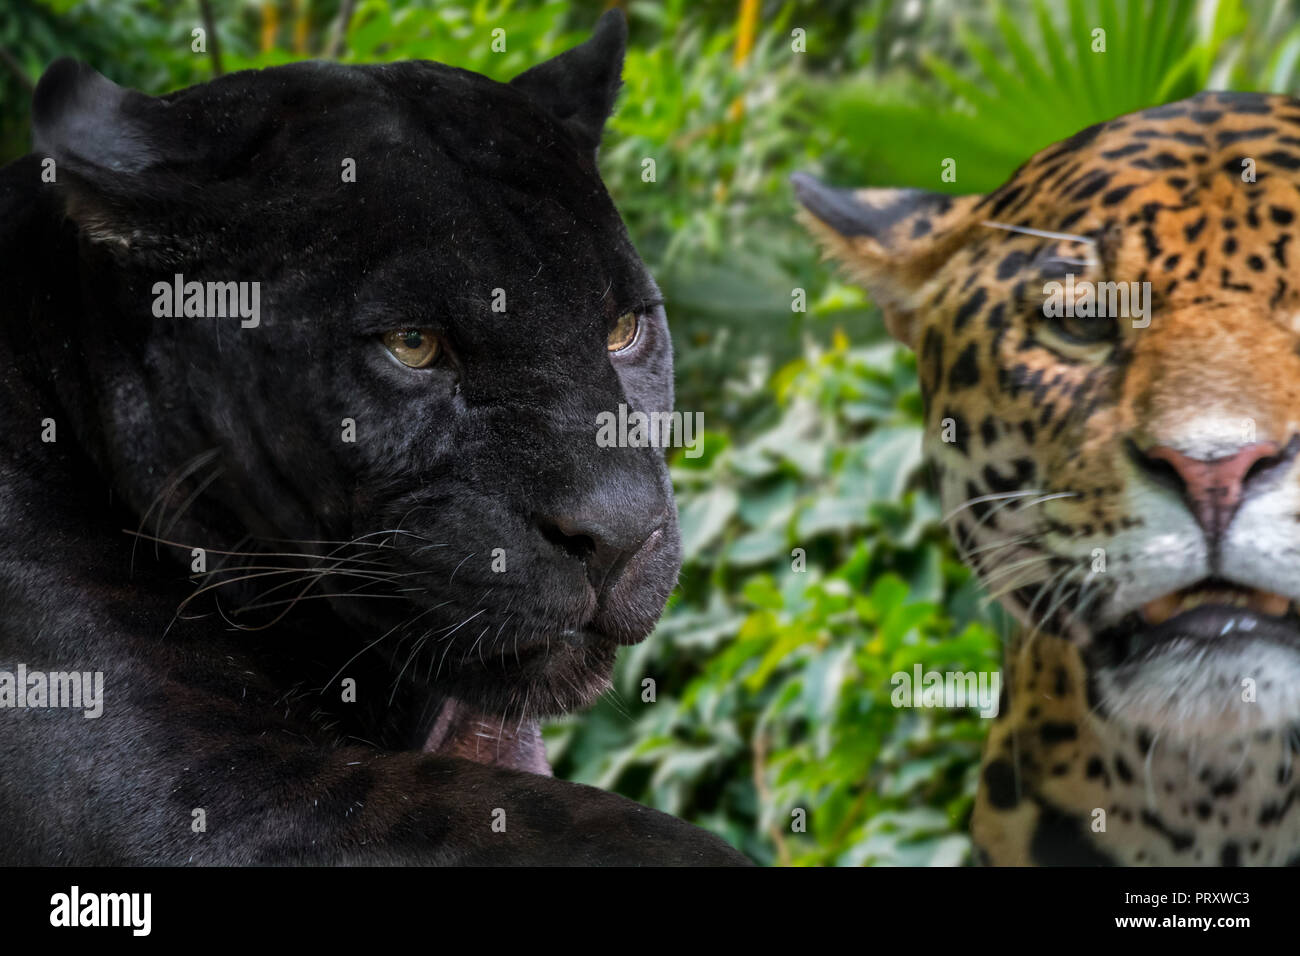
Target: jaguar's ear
(580,85)
(110,146)
(891,240)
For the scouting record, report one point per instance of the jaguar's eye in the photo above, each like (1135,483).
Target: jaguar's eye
(416,348)
(624,332)
(1084,329)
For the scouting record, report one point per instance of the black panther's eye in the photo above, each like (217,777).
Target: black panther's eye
(416,348)
(624,332)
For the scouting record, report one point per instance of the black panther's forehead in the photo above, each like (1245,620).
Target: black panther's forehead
(433,197)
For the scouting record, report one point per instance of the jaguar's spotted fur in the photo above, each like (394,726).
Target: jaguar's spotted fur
(1128,485)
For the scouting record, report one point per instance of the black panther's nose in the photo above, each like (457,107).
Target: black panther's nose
(603,537)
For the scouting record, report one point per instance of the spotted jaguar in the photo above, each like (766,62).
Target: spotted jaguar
(1119,467)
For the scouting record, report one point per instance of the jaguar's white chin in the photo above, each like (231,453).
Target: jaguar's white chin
(1210,660)
(1191,691)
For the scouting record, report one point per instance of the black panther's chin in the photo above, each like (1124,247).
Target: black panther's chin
(566,672)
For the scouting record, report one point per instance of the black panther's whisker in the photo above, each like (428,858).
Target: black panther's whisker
(188,502)
(523,711)
(457,627)
(617,702)
(360,539)
(338,541)
(337,545)
(476,643)
(496,640)
(458,567)
(248,554)
(577,691)
(315,568)
(406,623)
(302,595)
(193,465)
(314,574)
(426,547)
(310,576)
(370,567)
(483,597)
(263,605)
(308,556)
(440,660)
(397,681)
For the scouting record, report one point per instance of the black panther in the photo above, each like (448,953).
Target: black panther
(333,525)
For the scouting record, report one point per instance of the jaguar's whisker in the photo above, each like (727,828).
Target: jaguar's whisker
(981,499)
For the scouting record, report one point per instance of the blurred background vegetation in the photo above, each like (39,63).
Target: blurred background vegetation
(772,682)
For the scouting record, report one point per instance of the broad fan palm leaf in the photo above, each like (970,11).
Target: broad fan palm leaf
(1082,62)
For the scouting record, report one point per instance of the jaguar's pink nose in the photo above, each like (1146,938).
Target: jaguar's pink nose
(1214,488)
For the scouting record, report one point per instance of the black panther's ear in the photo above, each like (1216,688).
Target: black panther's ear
(110,146)
(891,240)
(90,124)
(580,85)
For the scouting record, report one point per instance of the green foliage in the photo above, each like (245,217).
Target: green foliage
(460,34)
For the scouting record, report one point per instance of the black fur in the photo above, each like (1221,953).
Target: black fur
(209,435)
